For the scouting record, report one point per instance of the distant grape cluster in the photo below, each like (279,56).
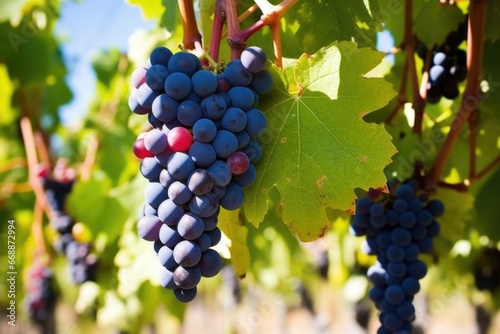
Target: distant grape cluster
(40,296)
(81,263)
(198,156)
(399,227)
(487,270)
(448,66)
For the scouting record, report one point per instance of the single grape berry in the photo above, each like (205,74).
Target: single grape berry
(179,139)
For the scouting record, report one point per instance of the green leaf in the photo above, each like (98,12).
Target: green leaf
(317,148)
(314,24)
(458,212)
(487,208)
(151,9)
(207,8)
(105,64)
(20,61)
(170,16)
(130,195)
(435,21)
(89,202)
(232,226)
(492,30)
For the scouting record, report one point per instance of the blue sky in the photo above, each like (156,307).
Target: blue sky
(87,27)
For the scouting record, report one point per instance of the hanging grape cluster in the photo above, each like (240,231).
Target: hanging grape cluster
(399,226)
(40,296)
(486,270)
(198,156)
(448,66)
(81,262)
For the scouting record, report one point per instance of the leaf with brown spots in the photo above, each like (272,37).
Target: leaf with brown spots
(317,148)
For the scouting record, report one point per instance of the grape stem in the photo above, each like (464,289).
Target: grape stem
(402,99)
(491,166)
(90,157)
(237,38)
(418,101)
(37,228)
(31,155)
(190,29)
(472,94)
(218,24)
(425,75)
(42,149)
(460,187)
(472,145)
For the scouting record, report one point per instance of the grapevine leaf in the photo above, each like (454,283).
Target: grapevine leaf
(492,30)
(491,74)
(435,21)
(89,202)
(313,24)
(232,226)
(169,17)
(458,212)
(317,148)
(130,195)
(150,8)
(487,208)
(105,64)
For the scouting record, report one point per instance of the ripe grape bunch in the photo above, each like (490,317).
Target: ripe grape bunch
(57,187)
(198,156)
(448,66)
(398,227)
(40,299)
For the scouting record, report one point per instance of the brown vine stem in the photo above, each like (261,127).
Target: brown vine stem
(235,41)
(491,166)
(418,102)
(89,161)
(271,15)
(217,26)
(472,93)
(401,94)
(461,187)
(37,228)
(425,75)
(42,149)
(242,17)
(276,33)
(31,155)
(191,33)
(472,144)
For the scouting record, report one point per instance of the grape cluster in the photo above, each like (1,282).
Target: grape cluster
(198,156)
(57,187)
(448,66)
(398,227)
(41,298)
(487,270)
